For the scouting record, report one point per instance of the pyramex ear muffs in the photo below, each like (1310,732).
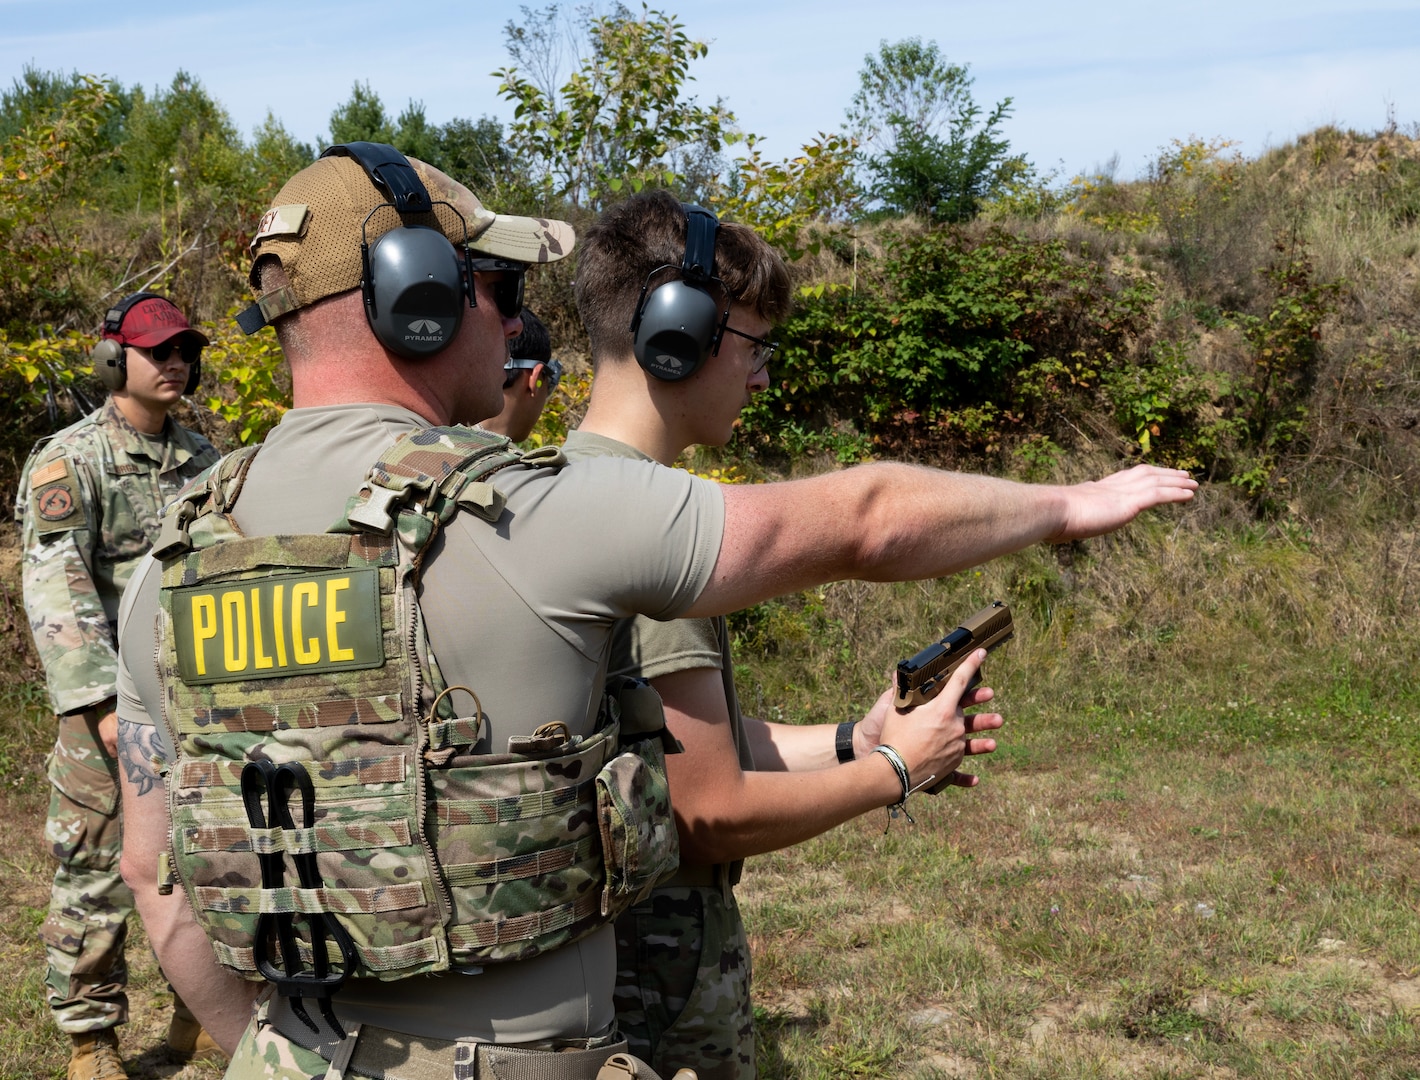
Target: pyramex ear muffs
(110,357)
(413,281)
(679,325)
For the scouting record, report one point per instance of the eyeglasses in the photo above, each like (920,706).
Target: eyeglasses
(189,351)
(552,368)
(508,289)
(763,354)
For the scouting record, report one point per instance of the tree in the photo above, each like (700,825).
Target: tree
(37,97)
(620,119)
(474,153)
(780,199)
(361,119)
(275,155)
(927,146)
(44,168)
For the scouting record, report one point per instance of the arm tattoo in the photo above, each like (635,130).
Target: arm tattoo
(137,750)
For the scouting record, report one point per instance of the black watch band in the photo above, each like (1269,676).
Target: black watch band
(843,741)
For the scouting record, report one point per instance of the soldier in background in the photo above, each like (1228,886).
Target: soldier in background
(529,379)
(88,506)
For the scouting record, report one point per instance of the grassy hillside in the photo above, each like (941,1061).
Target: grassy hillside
(1195,853)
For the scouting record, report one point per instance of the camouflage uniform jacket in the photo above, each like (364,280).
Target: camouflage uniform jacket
(89,502)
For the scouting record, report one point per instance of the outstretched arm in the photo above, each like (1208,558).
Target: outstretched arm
(886,522)
(220,1000)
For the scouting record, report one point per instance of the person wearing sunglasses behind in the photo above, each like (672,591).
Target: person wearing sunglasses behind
(530,377)
(89,503)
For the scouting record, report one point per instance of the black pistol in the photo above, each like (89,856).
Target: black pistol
(920,677)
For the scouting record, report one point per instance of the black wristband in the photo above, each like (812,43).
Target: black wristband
(843,741)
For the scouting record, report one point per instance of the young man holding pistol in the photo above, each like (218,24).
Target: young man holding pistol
(679,310)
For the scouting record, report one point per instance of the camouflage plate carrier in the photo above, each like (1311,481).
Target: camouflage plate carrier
(311,650)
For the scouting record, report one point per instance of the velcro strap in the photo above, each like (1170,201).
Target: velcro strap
(516,867)
(537,804)
(372,957)
(271,715)
(460,731)
(350,772)
(278,302)
(525,927)
(642,711)
(292,901)
(327,836)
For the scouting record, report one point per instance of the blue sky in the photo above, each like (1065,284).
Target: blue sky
(1089,80)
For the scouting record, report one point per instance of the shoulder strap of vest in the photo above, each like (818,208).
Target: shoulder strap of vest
(215,491)
(427,476)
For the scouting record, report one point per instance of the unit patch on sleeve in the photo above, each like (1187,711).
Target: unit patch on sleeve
(56,506)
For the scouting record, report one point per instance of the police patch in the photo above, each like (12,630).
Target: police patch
(273,627)
(55,507)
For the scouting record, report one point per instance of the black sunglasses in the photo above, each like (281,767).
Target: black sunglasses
(188,350)
(551,368)
(508,289)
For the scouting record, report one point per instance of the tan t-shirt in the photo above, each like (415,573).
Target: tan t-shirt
(650,648)
(522,611)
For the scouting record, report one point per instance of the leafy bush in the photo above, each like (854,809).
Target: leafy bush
(961,336)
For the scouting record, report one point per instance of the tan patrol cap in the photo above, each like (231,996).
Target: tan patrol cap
(313,229)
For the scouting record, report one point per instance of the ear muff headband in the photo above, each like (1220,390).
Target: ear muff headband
(679,324)
(411,280)
(109,357)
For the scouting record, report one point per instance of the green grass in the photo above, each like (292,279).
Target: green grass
(1194,854)
(1135,905)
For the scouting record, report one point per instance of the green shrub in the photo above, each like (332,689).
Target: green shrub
(962,337)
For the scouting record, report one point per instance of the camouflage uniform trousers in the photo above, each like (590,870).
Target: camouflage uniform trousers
(682,984)
(89,905)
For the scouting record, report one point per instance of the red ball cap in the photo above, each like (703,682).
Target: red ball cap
(153,321)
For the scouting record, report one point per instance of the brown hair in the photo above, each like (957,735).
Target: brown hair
(634,238)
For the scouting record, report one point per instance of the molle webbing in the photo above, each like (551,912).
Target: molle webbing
(431,856)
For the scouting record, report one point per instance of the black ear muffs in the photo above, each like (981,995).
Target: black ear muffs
(412,279)
(414,291)
(678,326)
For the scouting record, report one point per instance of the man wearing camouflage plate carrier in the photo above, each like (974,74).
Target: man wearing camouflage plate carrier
(89,503)
(379,677)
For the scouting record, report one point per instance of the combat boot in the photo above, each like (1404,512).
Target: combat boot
(95,1057)
(187,1040)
